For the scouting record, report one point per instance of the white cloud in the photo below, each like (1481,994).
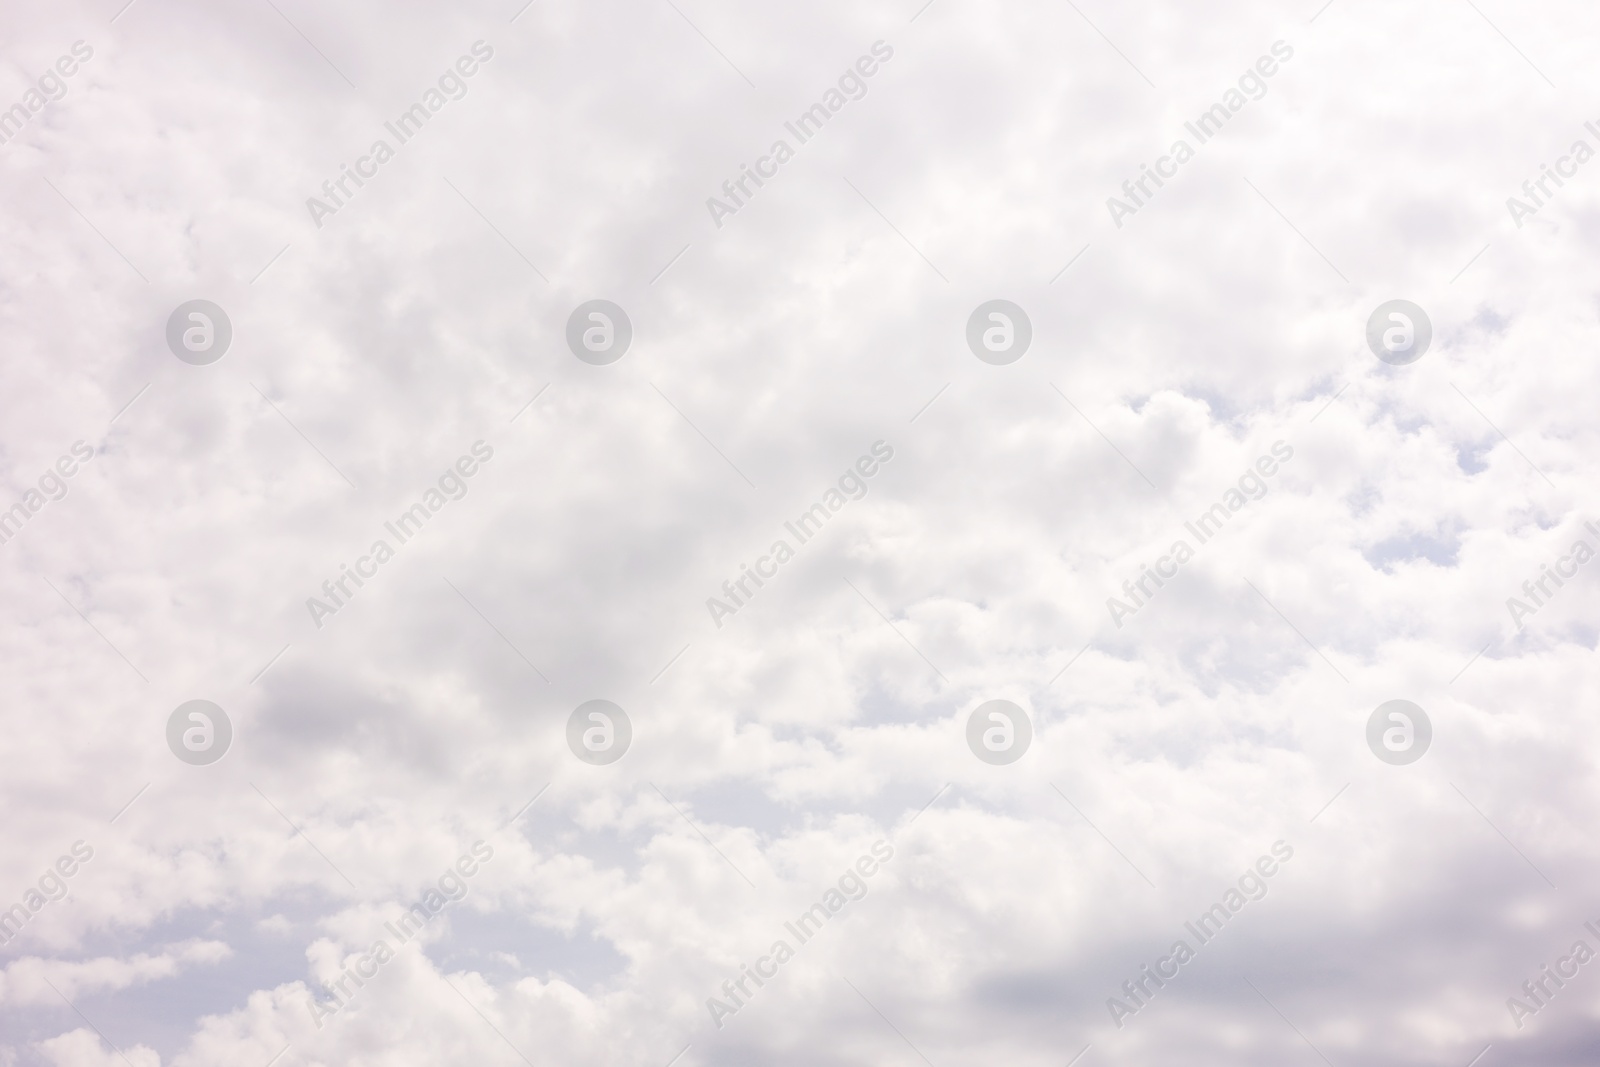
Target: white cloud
(368,355)
(29,980)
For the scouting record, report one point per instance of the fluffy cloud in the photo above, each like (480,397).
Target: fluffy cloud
(1171,747)
(30,980)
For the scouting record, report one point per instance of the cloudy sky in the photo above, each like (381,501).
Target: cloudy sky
(234,375)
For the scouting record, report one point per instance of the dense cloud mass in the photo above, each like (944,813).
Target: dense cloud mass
(674,532)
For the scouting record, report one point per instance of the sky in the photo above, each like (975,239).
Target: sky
(1084,559)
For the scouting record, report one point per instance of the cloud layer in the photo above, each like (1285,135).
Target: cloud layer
(559,526)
